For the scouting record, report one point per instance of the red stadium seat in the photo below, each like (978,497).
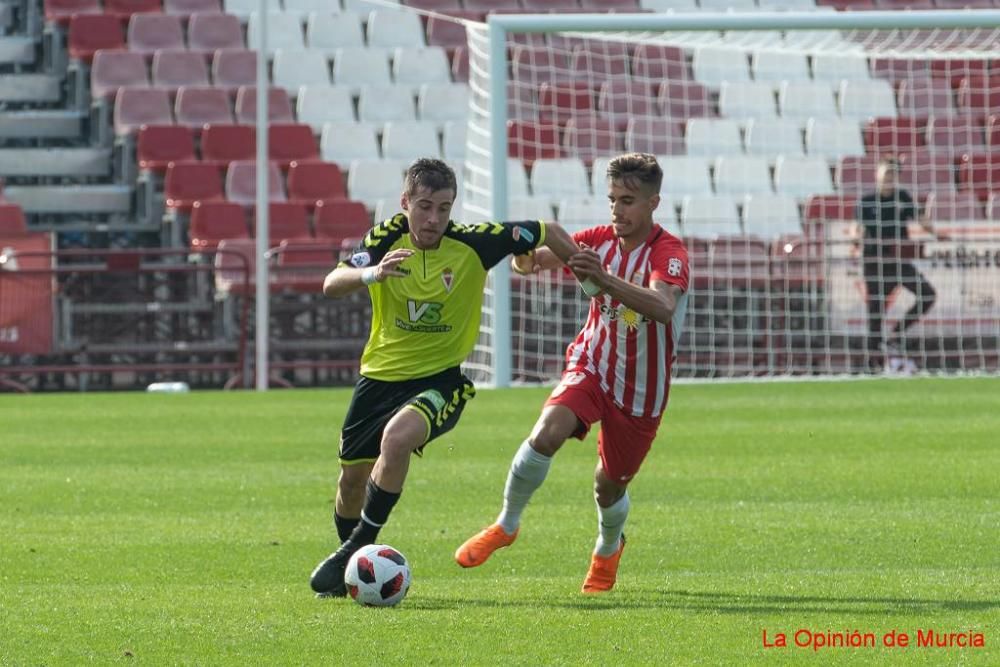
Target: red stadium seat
(620,101)
(159,145)
(61,11)
(922,172)
(952,206)
(442,32)
(855,174)
(797,261)
(993,133)
(894,135)
(312,181)
(286,220)
(601,61)
(279,107)
(659,136)
(924,97)
(188,182)
(826,208)
(460,65)
(287,142)
(241,182)
(955,135)
(656,63)
(89,33)
(222,144)
(173,69)
(979,95)
(558,102)
(529,141)
(588,136)
(232,68)
(535,64)
(135,107)
(12,222)
(685,99)
(235,262)
(738,262)
(302,264)
(339,219)
(197,106)
(124,9)
(213,221)
(209,32)
(185,8)
(113,69)
(979,173)
(953,70)
(148,33)
(898,70)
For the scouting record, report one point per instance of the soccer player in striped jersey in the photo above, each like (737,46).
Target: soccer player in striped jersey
(617,370)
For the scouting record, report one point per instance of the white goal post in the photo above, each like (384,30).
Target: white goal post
(505,353)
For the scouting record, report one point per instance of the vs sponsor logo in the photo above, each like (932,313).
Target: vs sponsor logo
(424,312)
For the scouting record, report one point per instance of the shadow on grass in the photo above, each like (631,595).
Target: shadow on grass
(725,603)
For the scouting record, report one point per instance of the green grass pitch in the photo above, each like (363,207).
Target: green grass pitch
(181,529)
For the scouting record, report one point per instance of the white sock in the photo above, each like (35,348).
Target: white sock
(610,523)
(527,472)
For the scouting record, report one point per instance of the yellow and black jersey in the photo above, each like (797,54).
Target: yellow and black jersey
(428,320)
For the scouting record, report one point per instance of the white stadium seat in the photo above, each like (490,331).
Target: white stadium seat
(709,137)
(862,100)
(746,100)
(738,176)
(833,139)
(357,67)
(685,176)
(284,31)
(770,216)
(391,29)
(293,69)
(329,32)
(771,138)
(344,142)
(382,103)
(712,66)
(707,217)
(775,66)
(803,100)
(802,176)
(317,105)
(837,68)
(557,178)
(369,181)
(410,139)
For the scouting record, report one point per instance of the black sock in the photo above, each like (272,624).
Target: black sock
(378,505)
(344,525)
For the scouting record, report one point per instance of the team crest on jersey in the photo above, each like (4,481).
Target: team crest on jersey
(360,260)
(521,231)
(447,277)
(674,267)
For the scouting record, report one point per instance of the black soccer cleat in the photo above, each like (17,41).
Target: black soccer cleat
(328,577)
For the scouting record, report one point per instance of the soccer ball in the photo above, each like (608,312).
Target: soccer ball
(377,576)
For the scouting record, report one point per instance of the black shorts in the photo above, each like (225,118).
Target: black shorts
(438,398)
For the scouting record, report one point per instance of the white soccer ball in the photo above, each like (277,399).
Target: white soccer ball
(377,576)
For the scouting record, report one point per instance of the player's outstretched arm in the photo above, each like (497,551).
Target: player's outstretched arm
(346,279)
(557,248)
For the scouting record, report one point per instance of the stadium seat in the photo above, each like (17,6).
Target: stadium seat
(653,63)
(660,136)
(279,107)
(898,70)
(416,67)
(833,139)
(293,69)
(311,181)
(529,141)
(895,135)
(557,178)
(232,68)
(383,103)
(529,208)
(114,69)
(736,176)
(445,33)
(602,61)
(771,138)
(241,182)
(391,29)
(582,212)
(358,67)
(460,65)
(861,100)
(979,173)
(802,176)
(288,142)
(301,9)
(855,175)
(924,97)
(770,216)
(240,8)
(198,106)
(621,100)
(587,136)
(209,32)
(712,66)
(124,10)
(713,137)
(535,64)
(341,219)
(369,181)
(686,176)
(443,102)
(222,144)
(948,206)
(159,145)
(286,220)
(835,68)
(344,142)
(954,135)
(453,140)
(318,105)
(979,95)
(235,264)
(773,66)
(739,263)
(410,139)
(746,100)
(89,33)
(802,101)
(61,11)
(135,107)
(187,182)
(559,101)
(186,8)
(328,32)
(708,217)
(922,172)
(685,99)
(173,69)
(993,132)
(284,31)
(148,33)
(826,40)
(12,222)
(953,70)
(214,221)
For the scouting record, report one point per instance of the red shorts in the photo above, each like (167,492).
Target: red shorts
(624,439)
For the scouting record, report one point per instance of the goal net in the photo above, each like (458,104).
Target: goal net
(838,190)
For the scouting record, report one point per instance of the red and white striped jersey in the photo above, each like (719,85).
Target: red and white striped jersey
(631,354)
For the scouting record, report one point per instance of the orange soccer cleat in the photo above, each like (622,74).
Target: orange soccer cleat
(478,548)
(603,571)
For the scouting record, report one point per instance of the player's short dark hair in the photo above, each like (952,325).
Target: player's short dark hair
(637,171)
(430,173)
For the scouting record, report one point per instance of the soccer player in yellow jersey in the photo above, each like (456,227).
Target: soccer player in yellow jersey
(425,275)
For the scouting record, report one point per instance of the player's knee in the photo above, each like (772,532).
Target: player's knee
(351,484)
(606,493)
(547,441)
(397,446)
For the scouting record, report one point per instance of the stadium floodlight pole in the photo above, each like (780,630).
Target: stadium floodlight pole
(263,191)
(499,25)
